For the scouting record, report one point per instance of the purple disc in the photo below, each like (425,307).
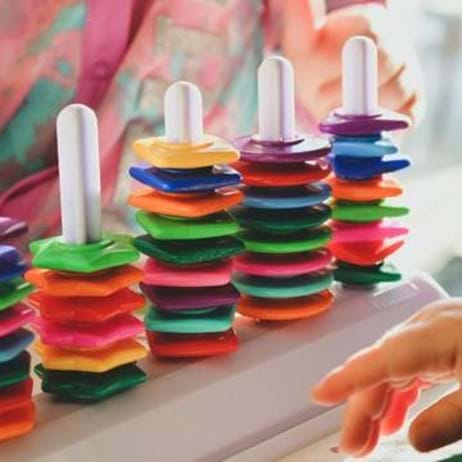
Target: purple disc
(180,298)
(345,125)
(11,228)
(282,152)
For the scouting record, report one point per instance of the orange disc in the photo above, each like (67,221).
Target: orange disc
(99,284)
(188,207)
(86,309)
(365,253)
(364,191)
(16,395)
(281,175)
(285,309)
(17,421)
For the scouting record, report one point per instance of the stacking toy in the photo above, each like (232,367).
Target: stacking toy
(17,410)
(189,238)
(285,273)
(87,329)
(363,154)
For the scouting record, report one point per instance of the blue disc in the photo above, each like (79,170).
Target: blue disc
(363,146)
(13,344)
(9,256)
(286,198)
(196,180)
(354,168)
(12,272)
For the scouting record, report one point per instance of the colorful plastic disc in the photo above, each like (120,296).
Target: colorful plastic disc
(90,386)
(299,150)
(217,273)
(283,265)
(13,344)
(189,252)
(15,370)
(364,191)
(88,336)
(303,241)
(276,175)
(354,168)
(346,125)
(296,286)
(373,231)
(179,298)
(167,228)
(11,229)
(365,253)
(363,213)
(84,285)
(366,275)
(194,206)
(114,250)
(86,309)
(218,319)
(364,147)
(16,395)
(158,152)
(13,291)
(15,318)
(103,360)
(289,309)
(287,198)
(192,345)
(200,180)
(17,421)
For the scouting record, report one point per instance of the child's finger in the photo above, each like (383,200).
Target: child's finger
(362,411)
(439,425)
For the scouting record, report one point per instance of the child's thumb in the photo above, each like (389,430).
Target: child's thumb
(439,425)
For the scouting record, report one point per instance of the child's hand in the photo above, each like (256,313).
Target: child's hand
(316,52)
(380,383)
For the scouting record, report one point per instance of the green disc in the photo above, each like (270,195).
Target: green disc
(112,251)
(366,275)
(297,286)
(14,371)
(190,322)
(189,252)
(165,228)
(90,386)
(281,221)
(302,241)
(13,291)
(363,213)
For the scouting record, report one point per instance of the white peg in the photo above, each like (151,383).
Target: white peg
(183,113)
(276,100)
(79,174)
(359,77)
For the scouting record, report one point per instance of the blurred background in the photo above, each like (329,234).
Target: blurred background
(434,183)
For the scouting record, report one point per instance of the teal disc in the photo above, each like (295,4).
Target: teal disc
(16,370)
(366,275)
(297,286)
(172,322)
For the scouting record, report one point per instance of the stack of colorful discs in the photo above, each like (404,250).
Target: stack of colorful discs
(87,330)
(189,234)
(365,233)
(17,410)
(285,273)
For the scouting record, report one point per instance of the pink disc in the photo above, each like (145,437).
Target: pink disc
(201,275)
(283,265)
(89,336)
(366,232)
(14,318)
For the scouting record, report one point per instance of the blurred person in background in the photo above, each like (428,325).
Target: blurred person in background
(119,57)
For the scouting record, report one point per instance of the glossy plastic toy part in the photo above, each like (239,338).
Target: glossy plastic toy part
(13,291)
(11,345)
(16,370)
(366,275)
(17,421)
(366,232)
(11,229)
(14,318)
(366,212)
(364,191)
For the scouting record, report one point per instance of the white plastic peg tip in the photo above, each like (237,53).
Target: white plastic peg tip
(276,100)
(79,174)
(183,113)
(359,77)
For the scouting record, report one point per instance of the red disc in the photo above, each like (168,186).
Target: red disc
(267,175)
(16,395)
(191,345)
(365,253)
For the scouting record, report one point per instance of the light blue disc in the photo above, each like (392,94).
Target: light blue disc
(13,344)
(363,146)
